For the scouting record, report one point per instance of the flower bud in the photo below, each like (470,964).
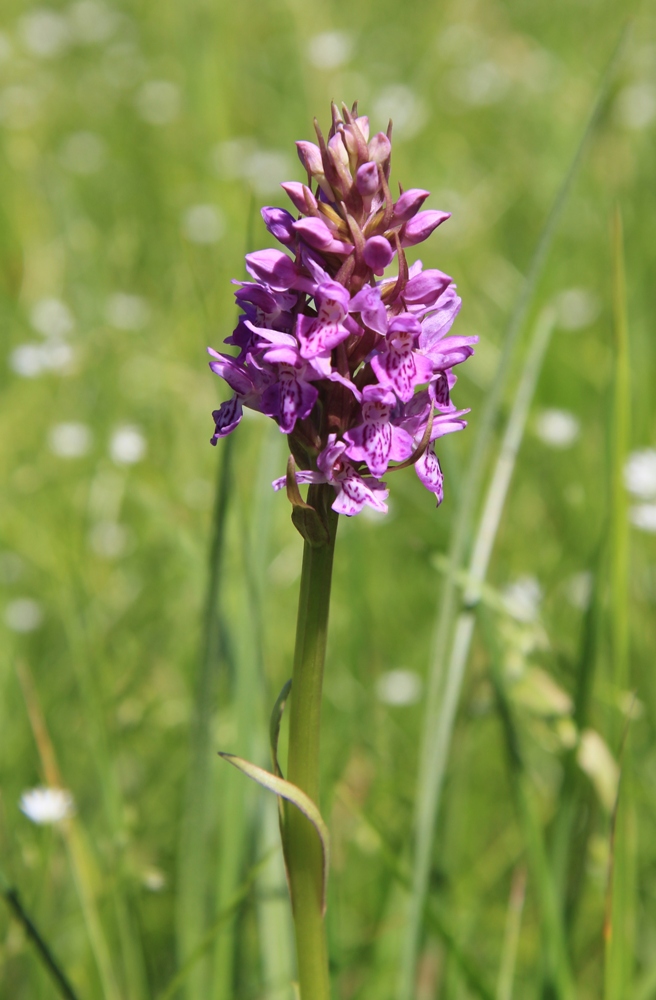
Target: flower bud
(408,205)
(273,267)
(426,287)
(377,254)
(316,234)
(380,149)
(280,224)
(421,226)
(363,125)
(310,156)
(300,196)
(366,180)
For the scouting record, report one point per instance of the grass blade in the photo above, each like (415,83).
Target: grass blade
(83,866)
(453,639)
(620,925)
(511,936)
(43,950)
(192,863)
(558,968)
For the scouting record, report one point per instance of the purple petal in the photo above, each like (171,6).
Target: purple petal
(226,418)
(280,224)
(451,351)
(370,443)
(300,196)
(426,288)
(419,229)
(354,492)
(377,254)
(371,308)
(363,124)
(273,267)
(302,476)
(366,180)
(448,423)
(310,157)
(317,234)
(438,323)
(331,454)
(289,399)
(428,469)
(401,370)
(408,205)
(231,371)
(380,148)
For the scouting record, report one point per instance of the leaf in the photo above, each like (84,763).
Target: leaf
(286,790)
(305,518)
(274,725)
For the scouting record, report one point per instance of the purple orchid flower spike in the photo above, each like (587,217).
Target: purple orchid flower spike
(355,367)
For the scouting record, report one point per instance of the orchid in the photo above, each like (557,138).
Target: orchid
(330,347)
(356,368)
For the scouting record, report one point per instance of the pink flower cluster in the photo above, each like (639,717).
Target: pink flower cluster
(354,366)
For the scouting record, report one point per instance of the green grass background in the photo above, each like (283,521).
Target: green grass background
(160,856)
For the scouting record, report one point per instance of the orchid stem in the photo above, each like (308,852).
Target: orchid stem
(302,846)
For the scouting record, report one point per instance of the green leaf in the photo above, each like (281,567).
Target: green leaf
(286,790)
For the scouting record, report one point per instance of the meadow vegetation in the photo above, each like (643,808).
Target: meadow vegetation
(148,582)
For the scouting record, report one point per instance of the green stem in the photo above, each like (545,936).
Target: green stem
(302,847)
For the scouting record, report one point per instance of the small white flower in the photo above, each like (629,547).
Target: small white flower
(643,516)
(579,590)
(228,157)
(330,49)
(635,106)
(522,598)
(158,102)
(399,687)
(45,33)
(480,85)
(23,615)
(154,880)
(127,445)
(203,224)
(557,428)
(47,805)
(51,318)
(92,21)
(69,440)
(83,153)
(265,169)
(27,360)
(108,539)
(408,112)
(127,312)
(640,473)
(576,308)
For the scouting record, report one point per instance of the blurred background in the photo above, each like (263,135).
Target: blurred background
(148,582)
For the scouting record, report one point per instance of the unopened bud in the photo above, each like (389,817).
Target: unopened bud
(408,205)
(421,226)
(300,196)
(377,254)
(366,180)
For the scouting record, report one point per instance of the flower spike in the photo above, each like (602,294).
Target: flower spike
(354,364)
